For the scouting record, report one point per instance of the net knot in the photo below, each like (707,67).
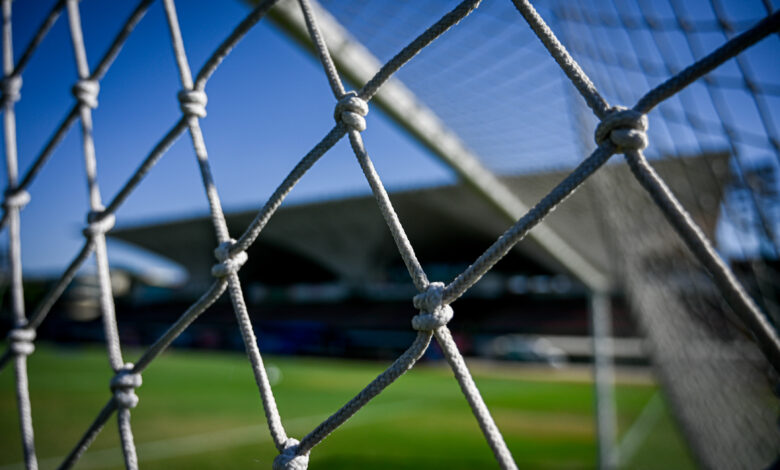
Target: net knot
(86,92)
(193,102)
(98,223)
(227,263)
(289,459)
(432,313)
(16,198)
(626,128)
(123,384)
(21,341)
(11,88)
(351,110)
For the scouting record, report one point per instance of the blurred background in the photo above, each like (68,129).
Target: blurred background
(328,294)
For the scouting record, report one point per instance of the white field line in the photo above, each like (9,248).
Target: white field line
(219,440)
(639,430)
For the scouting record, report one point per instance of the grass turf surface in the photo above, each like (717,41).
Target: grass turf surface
(202,410)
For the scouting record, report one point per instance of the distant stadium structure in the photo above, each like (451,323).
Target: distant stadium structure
(331,264)
(345,238)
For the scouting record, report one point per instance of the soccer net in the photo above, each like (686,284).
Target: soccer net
(717,383)
(712,336)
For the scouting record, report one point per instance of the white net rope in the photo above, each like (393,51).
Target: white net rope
(713,378)
(620,130)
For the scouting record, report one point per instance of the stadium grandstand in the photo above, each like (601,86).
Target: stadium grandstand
(330,267)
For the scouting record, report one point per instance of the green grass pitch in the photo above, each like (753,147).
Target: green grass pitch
(201,410)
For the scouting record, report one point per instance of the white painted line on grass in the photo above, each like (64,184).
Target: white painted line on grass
(218,440)
(640,429)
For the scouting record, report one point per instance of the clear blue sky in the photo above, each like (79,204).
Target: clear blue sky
(269,103)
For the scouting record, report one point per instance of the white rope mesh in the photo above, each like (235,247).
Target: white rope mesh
(620,130)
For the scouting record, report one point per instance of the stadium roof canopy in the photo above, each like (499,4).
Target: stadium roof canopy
(347,238)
